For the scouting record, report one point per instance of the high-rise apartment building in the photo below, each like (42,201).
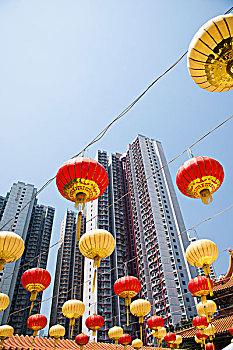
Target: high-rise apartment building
(34,225)
(115,220)
(158,228)
(68,282)
(148,227)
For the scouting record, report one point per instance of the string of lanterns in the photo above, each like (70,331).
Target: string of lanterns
(210,63)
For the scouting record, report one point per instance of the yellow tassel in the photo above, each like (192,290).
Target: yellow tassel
(209,285)
(79,226)
(94,344)
(206,196)
(1,342)
(35,332)
(55,343)
(94,279)
(71,333)
(30,311)
(127,316)
(141,331)
(33,295)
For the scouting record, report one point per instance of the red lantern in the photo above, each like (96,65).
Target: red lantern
(155,322)
(210,346)
(170,339)
(82,339)
(199,287)
(94,323)
(231,330)
(81,180)
(36,322)
(200,322)
(201,336)
(125,340)
(35,280)
(199,177)
(127,287)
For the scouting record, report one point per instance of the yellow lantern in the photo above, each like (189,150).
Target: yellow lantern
(115,333)
(97,245)
(210,55)
(207,308)
(178,341)
(159,334)
(199,341)
(57,332)
(73,309)
(210,331)
(4,301)
(140,308)
(137,344)
(11,247)
(5,333)
(202,253)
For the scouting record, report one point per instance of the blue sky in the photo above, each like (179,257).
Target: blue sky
(68,67)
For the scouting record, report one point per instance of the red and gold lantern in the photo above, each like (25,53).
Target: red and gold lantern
(200,322)
(155,322)
(231,332)
(81,339)
(127,287)
(170,338)
(125,340)
(199,177)
(94,323)
(81,180)
(34,281)
(210,346)
(199,287)
(201,336)
(36,322)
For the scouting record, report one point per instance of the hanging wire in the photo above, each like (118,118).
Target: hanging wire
(103,132)
(130,191)
(117,267)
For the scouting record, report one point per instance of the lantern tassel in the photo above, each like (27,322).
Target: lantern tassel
(94,344)
(34,335)
(141,331)
(209,285)
(206,196)
(94,279)
(1,342)
(127,316)
(72,323)
(55,343)
(79,226)
(30,311)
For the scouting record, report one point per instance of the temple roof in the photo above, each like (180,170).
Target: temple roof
(225,282)
(221,324)
(22,342)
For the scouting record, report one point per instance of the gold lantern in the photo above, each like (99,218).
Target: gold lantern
(207,308)
(202,253)
(210,331)
(178,341)
(97,245)
(11,247)
(4,301)
(5,333)
(57,332)
(115,333)
(199,341)
(73,309)
(140,308)
(210,55)
(137,344)
(159,334)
